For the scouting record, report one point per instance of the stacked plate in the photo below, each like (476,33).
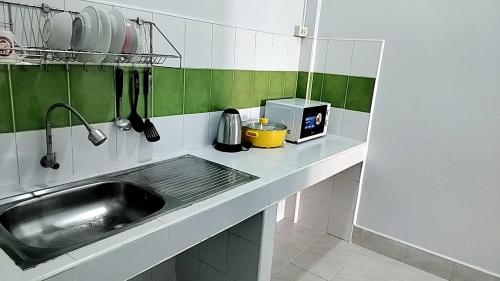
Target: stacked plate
(93,30)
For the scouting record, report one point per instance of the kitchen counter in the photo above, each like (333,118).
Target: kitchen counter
(282,172)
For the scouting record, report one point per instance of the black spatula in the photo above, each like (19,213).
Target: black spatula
(150,131)
(135,118)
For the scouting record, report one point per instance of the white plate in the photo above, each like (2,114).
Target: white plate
(86,30)
(117,33)
(104,36)
(137,49)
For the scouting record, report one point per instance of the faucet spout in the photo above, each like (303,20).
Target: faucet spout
(96,136)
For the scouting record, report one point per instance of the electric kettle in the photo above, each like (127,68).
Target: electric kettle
(229,131)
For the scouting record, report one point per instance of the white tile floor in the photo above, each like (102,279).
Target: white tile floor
(303,254)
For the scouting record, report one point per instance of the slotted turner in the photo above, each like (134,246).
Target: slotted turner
(150,131)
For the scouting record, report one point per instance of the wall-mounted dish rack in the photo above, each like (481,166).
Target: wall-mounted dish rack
(26,23)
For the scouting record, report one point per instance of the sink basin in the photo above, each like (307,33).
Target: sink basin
(41,228)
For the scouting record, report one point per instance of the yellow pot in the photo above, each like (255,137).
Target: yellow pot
(264,134)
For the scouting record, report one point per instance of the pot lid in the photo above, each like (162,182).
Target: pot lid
(264,125)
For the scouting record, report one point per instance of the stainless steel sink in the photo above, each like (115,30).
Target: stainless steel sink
(40,228)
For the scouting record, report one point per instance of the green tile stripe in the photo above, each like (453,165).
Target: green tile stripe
(6,122)
(28,91)
(204,90)
(342,91)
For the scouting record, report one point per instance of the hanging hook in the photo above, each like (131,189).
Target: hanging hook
(84,67)
(101,67)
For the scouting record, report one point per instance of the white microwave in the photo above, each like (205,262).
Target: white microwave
(304,119)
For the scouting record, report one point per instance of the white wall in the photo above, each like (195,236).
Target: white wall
(432,176)
(276,16)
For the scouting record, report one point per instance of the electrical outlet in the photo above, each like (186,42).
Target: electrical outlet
(301,31)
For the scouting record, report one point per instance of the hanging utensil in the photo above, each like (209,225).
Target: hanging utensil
(150,131)
(121,123)
(135,118)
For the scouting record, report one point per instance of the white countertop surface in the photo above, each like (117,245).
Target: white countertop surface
(309,162)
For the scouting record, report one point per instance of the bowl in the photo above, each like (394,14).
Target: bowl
(86,31)
(57,32)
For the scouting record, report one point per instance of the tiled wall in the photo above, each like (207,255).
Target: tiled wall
(230,255)
(223,66)
(328,206)
(344,74)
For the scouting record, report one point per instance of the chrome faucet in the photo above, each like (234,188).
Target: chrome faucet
(96,136)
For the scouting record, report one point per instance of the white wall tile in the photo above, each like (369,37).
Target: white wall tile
(78,5)
(223,47)
(279,57)
(345,194)
(213,125)
(257,112)
(31,147)
(244,56)
(320,58)
(186,267)
(8,161)
(320,192)
(353,173)
(171,140)
(127,146)
(89,159)
(196,130)
(145,150)
(145,276)
(165,271)
(365,58)
(338,58)
(245,114)
(263,51)
(313,214)
(198,45)
(305,55)
(52,3)
(251,228)
(243,259)
(355,125)
(335,121)
(213,251)
(174,28)
(340,224)
(207,273)
(133,13)
(293,54)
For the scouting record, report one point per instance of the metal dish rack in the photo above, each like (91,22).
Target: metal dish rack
(26,23)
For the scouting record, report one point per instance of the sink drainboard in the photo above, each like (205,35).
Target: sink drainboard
(189,178)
